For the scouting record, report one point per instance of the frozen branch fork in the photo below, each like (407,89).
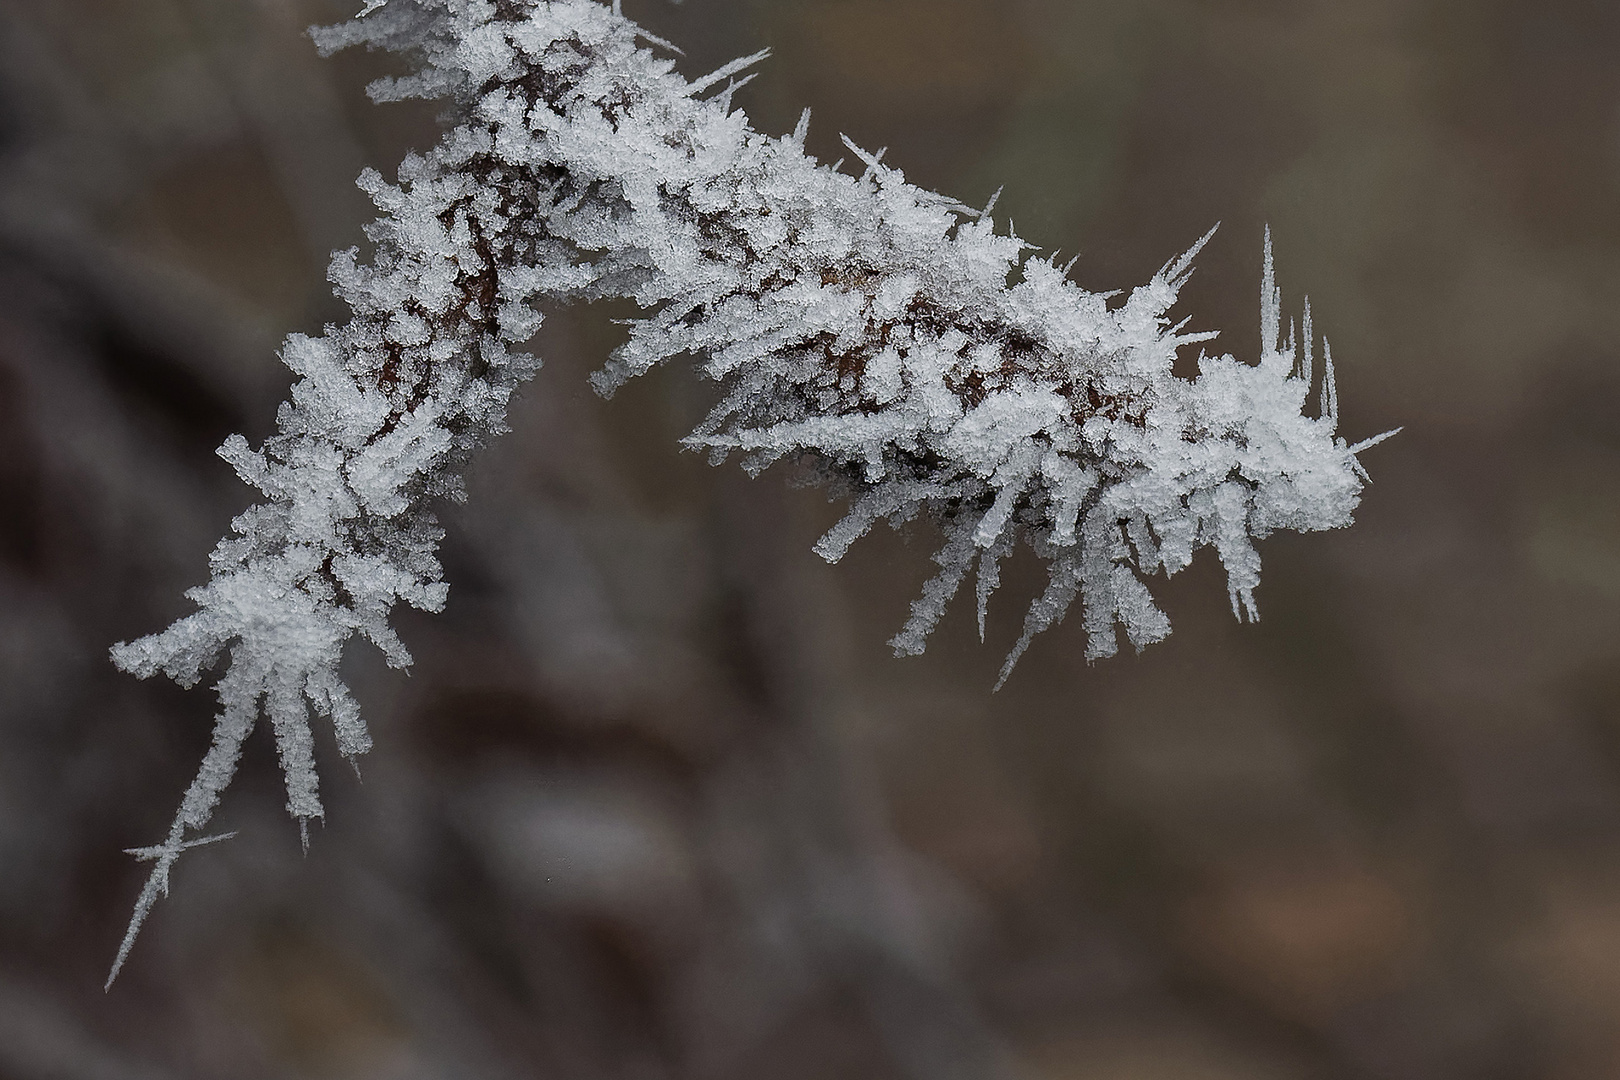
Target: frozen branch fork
(923,363)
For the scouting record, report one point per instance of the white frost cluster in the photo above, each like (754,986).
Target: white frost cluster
(852,321)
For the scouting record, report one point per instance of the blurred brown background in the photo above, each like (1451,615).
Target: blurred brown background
(656,801)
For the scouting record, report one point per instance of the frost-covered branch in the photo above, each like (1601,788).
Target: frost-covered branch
(922,362)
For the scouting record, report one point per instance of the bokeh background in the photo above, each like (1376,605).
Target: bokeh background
(656,801)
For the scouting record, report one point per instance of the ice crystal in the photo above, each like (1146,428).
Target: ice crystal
(921,361)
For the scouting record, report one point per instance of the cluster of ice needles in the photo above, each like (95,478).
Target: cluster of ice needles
(923,363)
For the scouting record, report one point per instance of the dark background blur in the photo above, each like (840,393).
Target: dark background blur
(656,801)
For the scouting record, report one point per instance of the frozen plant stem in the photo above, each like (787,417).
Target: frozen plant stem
(854,322)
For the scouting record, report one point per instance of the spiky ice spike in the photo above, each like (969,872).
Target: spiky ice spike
(854,321)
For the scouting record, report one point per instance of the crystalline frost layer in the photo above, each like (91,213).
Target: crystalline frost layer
(885,334)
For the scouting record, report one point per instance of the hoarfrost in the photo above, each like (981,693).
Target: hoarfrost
(924,363)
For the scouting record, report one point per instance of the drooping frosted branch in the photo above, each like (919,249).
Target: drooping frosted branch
(887,335)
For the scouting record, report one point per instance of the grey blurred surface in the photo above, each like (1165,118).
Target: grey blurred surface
(656,800)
